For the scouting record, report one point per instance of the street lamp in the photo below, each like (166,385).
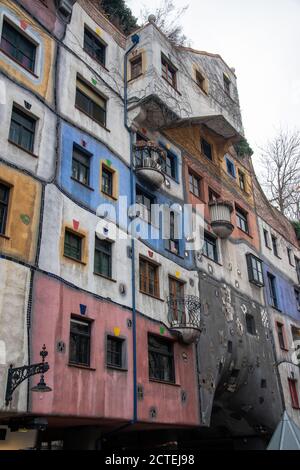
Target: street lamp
(17,375)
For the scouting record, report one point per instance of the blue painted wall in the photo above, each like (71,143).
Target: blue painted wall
(285,293)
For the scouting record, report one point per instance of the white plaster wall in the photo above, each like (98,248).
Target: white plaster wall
(115,135)
(42,164)
(14,290)
(190,101)
(282,264)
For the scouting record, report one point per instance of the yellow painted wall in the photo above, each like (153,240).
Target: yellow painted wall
(20,237)
(43,85)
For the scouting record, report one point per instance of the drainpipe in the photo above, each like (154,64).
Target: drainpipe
(135,40)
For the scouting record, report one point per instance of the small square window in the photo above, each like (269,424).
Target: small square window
(267,238)
(115,352)
(4,201)
(255,270)
(80,342)
(73,245)
(90,102)
(206,149)
(17,46)
(173,242)
(94,46)
(22,129)
(210,248)
(161,359)
(274,245)
(242,220)
(136,67)
(290,256)
(294,393)
(212,195)
(149,278)
(146,201)
(273,291)
(81,166)
(201,82)
(169,166)
(169,71)
(230,167)
(281,335)
(297,263)
(107,181)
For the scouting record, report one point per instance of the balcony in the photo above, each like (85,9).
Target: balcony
(184,317)
(220,213)
(149,163)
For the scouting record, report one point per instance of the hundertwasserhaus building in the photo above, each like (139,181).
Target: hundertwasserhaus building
(148,341)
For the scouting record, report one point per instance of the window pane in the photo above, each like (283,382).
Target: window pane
(15,44)
(22,129)
(72,246)
(80,342)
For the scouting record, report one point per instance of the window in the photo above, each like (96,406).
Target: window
(294,393)
(169,164)
(212,195)
(114,352)
(195,184)
(161,359)
(273,290)
(73,245)
(80,341)
(90,102)
(290,256)
(94,46)
(242,181)
(17,46)
(22,129)
(250,324)
(281,335)
(210,247)
(227,84)
(230,167)
(267,238)
(255,270)
(201,82)
(297,263)
(4,200)
(173,242)
(168,71)
(176,306)
(242,220)
(149,278)
(81,166)
(107,181)
(103,258)
(136,67)
(274,245)
(146,202)
(206,149)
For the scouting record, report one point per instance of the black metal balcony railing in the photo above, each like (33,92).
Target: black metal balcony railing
(184,312)
(149,156)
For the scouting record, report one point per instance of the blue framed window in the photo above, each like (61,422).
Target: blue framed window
(273,291)
(170,164)
(230,167)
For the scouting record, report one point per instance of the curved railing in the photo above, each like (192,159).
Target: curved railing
(149,156)
(184,312)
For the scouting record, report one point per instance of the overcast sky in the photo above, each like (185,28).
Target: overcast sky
(261,39)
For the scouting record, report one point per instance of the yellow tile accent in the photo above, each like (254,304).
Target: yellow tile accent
(117,331)
(177,274)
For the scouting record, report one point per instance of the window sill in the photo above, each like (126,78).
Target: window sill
(92,119)
(82,184)
(284,349)
(105,277)
(22,148)
(246,233)
(74,259)
(152,296)
(209,259)
(256,284)
(116,368)
(18,63)
(135,78)
(114,198)
(172,86)
(276,308)
(6,237)
(163,382)
(81,366)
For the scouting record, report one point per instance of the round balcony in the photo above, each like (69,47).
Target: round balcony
(149,163)
(184,317)
(220,213)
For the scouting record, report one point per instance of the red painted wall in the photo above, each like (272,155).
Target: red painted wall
(102,392)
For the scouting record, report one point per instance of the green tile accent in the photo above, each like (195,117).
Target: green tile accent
(25,219)
(162,330)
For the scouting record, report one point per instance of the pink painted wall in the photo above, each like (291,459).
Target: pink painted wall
(104,393)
